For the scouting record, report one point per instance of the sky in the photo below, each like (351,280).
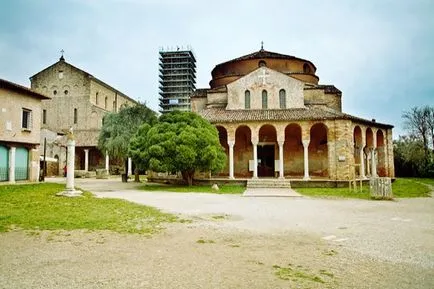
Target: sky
(379,53)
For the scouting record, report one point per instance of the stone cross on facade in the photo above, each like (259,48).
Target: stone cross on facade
(264,77)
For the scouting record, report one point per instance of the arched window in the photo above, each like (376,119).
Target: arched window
(306,68)
(262,63)
(247,99)
(96,98)
(264,99)
(282,98)
(105,102)
(75,116)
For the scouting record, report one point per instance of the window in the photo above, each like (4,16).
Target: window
(306,68)
(66,92)
(96,98)
(75,116)
(105,102)
(55,92)
(44,116)
(60,74)
(247,99)
(262,63)
(282,98)
(264,99)
(26,122)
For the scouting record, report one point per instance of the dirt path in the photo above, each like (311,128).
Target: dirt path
(192,256)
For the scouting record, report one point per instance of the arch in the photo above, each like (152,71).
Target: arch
(105,102)
(223,138)
(264,99)
(243,151)
(293,158)
(369,138)
(306,68)
(247,99)
(267,151)
(381,154)
(282,98)
(318,150)
(96,98)
(75,116)
(262,63)
(358,144)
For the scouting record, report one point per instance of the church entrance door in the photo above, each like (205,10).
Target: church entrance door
(266,161)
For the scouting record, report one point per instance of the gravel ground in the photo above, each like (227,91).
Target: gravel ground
(234,242)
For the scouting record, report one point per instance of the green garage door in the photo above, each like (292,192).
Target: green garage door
(21,164)
(4,163)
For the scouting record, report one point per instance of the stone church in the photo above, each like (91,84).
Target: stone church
(78,100)
(276,121)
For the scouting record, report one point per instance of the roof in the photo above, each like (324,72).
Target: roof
(22,89)
(221,115)
(62,60)
(265,54)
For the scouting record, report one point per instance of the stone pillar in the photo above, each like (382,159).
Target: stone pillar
(255,159)
(130,167)
(281,168)
(231,144)
(368,155)
(70,167)
(373,163)
(106,161)
(306,159)
(12,151)
(362,164)
(86,160)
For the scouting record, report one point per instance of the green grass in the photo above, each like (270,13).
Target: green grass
(224,189)
(36,207)
(296,274)
(401,188)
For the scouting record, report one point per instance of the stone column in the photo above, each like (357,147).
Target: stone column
(373,163)
(130,167)
(368,171)
(255,159)
(306,159)
(231,144)
(12,151)
(70,167)
(86,160)
(281,168)
(106,161)
(362,164)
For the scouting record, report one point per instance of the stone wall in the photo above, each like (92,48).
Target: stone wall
(11,110)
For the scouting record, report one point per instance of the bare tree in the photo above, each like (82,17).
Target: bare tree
(416,120)
(430,123)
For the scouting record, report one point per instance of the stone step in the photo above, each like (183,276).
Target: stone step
(268,183)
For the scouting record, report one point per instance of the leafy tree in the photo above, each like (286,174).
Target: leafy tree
(409,157)
(118,128)
(180,141)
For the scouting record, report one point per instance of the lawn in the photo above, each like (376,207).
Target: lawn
(223,189)
(401,188)
(36,206)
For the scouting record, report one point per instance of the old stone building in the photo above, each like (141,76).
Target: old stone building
(275,120)
(78,100)
(20,116)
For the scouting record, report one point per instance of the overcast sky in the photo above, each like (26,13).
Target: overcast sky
(379,53)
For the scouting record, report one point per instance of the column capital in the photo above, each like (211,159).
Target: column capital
(231,143)
(306,142)
(255,142)
(280,142)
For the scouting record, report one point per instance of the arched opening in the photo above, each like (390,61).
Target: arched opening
(262,63)
(367,150)
(306,68)
(264,99)
(318,150)
(282,98)
(243,152)
(381,154)
(293,158)
(247,99)
(357,139)
(223,138)
(267,150)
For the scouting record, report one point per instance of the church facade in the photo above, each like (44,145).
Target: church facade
(275,121)
(78,100)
